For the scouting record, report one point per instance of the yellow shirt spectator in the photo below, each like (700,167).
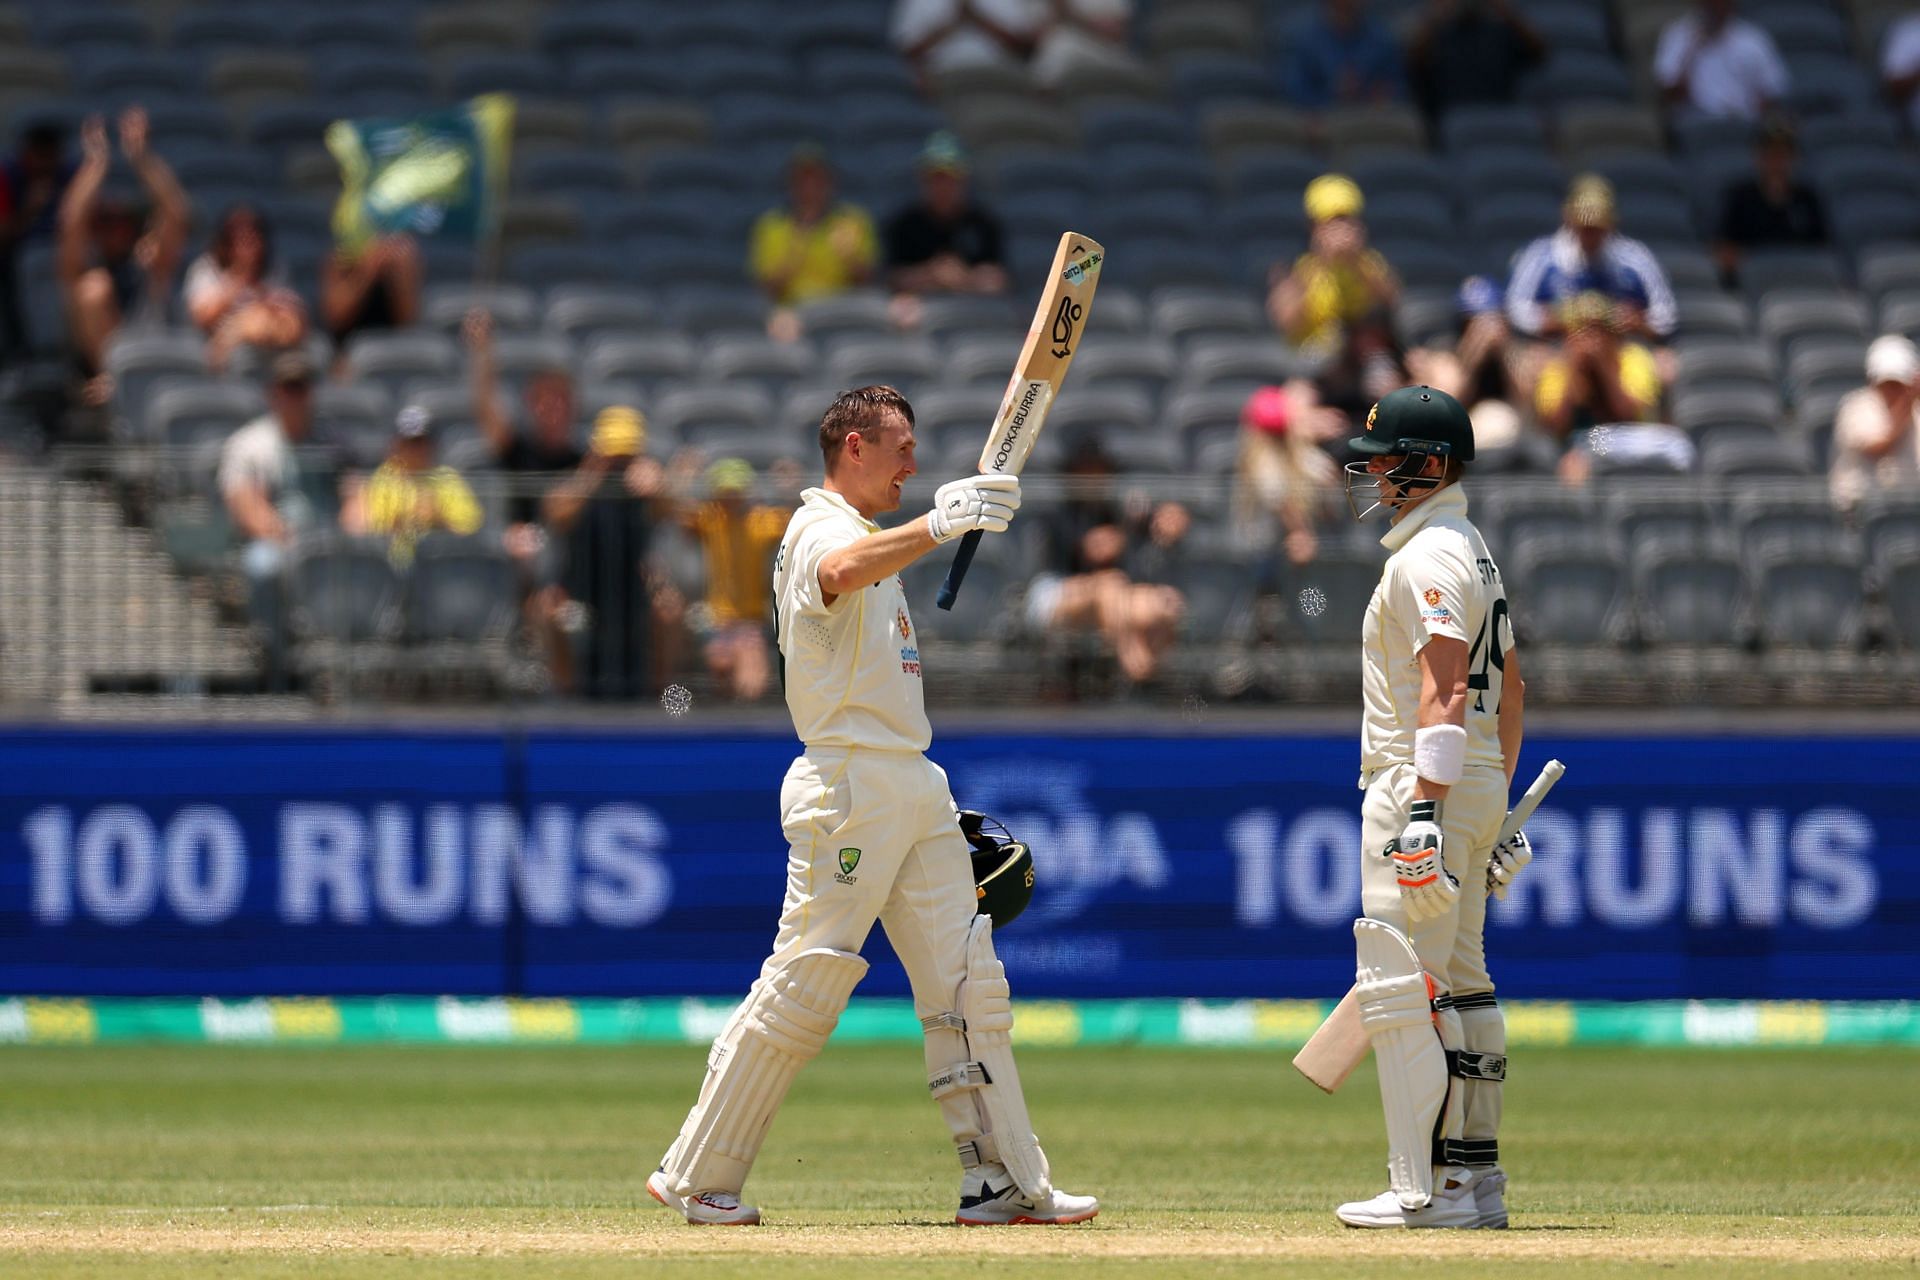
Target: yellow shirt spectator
(1336,295)
(739,542)
(1639,378)
(405,504)
(797,263)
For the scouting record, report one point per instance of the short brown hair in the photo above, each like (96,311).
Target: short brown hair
(860,409)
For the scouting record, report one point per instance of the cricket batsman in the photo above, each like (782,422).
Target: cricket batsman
(872,833)
(1439,739)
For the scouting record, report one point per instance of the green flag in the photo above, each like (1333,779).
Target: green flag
(432,175)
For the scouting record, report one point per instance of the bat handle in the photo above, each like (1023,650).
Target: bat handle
(969,543)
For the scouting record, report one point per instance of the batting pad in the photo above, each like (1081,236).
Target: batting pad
(1396,1007)
(987,1010)
(781,1027)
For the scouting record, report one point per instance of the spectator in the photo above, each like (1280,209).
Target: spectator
(1900,67)
(235,294)
(942,35)
(1598,376)
(408,495)
(375,286)
(31,183)
(1088,587)
(547,449)
(1336,301)
(1716,64)
(1587,255)
(1470,53)
(1076,34)
(737,540)
(1284,478)
(113,271)
(813,247)
(1341,57)
(945,242)
(1486,370)
(1771,209)
(272,496)
(1876,433)
(618,612)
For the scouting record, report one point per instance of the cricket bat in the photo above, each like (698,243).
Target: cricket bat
(1051,342)
(1341,1043)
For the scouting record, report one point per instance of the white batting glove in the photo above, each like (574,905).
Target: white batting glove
(1510,858)
(1426,888)
(984,502)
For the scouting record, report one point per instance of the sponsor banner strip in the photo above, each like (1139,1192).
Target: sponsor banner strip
(1269,1024)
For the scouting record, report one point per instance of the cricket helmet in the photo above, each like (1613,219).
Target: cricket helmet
(1002,868)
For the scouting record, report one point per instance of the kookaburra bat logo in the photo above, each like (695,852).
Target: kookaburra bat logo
(1065,320)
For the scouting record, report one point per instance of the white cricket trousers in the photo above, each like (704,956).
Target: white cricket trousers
(875,835)
(1451,946)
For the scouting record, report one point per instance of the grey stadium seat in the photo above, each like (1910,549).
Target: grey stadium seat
(1567,594)
(346,590)
(395,356)
(460,590)
(1324,602)
(1791,457)
(1249,360)
(1219,595)
(1100,408)
(1900,585)
(355,416)
(692,410)
(774,366)
(1764,522)
(194,412)
(899,361)
(645,358)
(1193,315)
(1144,364)
(1517,513)
(512,308)
(1888,521)
(586,312)
(1812,599)
(860,312)
(1691,598)
(1674,515)
(139,360)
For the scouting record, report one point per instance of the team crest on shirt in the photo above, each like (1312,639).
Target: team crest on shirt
(849,859)
(1433,597)
(906,628)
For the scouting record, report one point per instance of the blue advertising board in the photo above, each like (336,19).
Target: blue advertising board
(589,864)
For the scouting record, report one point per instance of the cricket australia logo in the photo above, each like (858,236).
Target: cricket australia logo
(849,859)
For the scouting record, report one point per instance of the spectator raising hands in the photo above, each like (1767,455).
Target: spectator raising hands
(374,286)
(112,268)
(813,247)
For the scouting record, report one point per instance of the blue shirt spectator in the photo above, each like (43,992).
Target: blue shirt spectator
(1587,255)
(1340,57)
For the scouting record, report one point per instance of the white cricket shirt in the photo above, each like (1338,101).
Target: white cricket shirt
(851,668)
(1439,581)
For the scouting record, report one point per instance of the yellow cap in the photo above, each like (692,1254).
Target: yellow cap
(1333,195)
(730,475)
(619,431)
(1589,201)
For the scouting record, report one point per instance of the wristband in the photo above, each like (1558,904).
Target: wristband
(1440,753)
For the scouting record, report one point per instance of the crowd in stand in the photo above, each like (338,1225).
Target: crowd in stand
(1576,337)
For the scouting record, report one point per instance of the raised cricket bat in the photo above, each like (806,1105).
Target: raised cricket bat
(1341,1043)
(1051,342)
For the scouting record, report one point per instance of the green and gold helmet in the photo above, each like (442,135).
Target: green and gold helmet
(1002,868)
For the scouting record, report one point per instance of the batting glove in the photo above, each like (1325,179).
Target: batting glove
(984,502)
(1510,858)
(1425,886)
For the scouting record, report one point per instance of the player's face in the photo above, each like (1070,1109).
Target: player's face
(893,460)
(1394,494)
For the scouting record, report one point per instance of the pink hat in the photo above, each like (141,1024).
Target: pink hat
(1268,410)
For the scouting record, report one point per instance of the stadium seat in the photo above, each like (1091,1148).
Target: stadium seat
(1196,315)
(1101,409)
(760,361)
(345,590)
(1350,132)
(708,310)
(1763,271)
(863,312)
(1875,217)
(446,306)
(1826,82)
(1467,130)
(1141,363)
(395,356)
(138,361)
(583,29)
(1765,522)
(1588,129)
(1691,598)
(1821,366)
(945,317)
(981,362)
(1886,521)
(1671,515)
(1567,593)
(1520,513)
(692,411)
(460,593)
(356,418)
(224,29)
(859,360)
(1900,587)
(1578,76)
(1219,596)
(1813,599)
(644,358)
(1323,603)
(1206,28)
(1238,127)
(655,123)
(190,413)
(1790,457)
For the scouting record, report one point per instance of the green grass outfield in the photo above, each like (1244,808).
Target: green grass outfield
(379,1161)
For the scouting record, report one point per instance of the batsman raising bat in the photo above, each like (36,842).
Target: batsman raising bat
(1440,735)
(872,833)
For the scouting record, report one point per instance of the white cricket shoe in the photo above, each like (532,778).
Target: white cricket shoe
(706,1209)
(985,1204)
(1452,1206)
(1490,1197)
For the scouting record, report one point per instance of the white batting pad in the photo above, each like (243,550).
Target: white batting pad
(781,1027)
(987,1010)
(1396,1005)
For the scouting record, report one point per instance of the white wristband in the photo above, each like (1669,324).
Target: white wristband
(1440,753)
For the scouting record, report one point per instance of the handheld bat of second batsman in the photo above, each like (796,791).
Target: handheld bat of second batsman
(1341,1043)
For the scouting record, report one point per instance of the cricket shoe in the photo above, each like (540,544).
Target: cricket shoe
(983,1204)
(1452,1206)
(1490,1197)
(707,1209)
